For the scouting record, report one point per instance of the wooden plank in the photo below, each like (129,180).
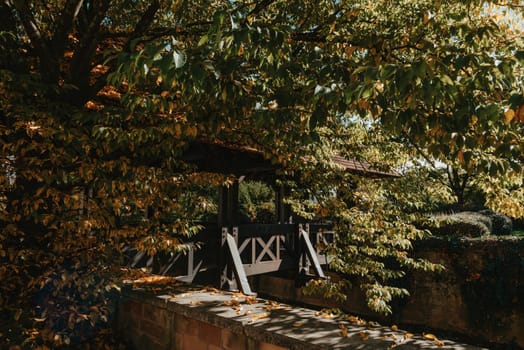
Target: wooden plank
(278,246)
(190,277)
(269,266)
(244,245)
(165,269)
(266,249)
(253,250)
(311,254)
(322,259)
(222,257)
(261,230)
(238,267)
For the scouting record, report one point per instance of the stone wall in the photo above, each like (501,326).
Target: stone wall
(193,318)
(147,324)
(480,295)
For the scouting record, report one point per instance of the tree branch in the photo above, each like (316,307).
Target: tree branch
(48,63)
(260,6)
(81,62)
(145,21)
(140,29)
(65,24)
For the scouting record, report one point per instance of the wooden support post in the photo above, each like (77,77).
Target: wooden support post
(308,251)
(222,263)
(165,269)
(238,267)
(283,211)
(232,270)
(228,205)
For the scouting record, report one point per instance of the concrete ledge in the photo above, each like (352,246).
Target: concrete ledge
(182,317)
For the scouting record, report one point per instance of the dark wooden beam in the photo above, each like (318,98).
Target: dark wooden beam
(222,159)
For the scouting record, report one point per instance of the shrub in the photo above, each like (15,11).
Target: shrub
(256,200)
(463,224)
(502,225)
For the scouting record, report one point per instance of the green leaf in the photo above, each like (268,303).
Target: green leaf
(203,40)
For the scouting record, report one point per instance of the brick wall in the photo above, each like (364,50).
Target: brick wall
(147,324)
(184,317)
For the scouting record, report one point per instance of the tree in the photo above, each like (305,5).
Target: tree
(100,98)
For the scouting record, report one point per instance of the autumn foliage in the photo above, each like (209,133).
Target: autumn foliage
(100,99)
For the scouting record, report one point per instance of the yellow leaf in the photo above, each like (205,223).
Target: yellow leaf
(178,130)
(356,320)
(438,343)
(260,316)
(408,335)
(251,300)
(240,51)
(272,105)
(349,50)
(212,290)
(363,335)
(394,328)
(426,18)
(343,330)
(233,302)
(429,336)
(520,113)
(460,156)
(379,86)
(509,115)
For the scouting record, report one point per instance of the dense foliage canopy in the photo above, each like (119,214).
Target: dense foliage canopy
(99,99)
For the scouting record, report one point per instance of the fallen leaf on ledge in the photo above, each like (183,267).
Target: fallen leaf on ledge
(155,279)
(429,336)
(343,330)
(259,317)
(232,302)
(363,335)
(438,342)
(273,305)
(356,320)
(212,290)
(251,300)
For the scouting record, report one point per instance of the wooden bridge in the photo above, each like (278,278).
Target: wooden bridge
(230,252)
(243,251)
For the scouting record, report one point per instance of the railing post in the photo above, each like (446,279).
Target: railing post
(308,255)
(303,263)
(222,258)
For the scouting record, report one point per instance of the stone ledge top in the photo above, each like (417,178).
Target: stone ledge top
(284,325)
